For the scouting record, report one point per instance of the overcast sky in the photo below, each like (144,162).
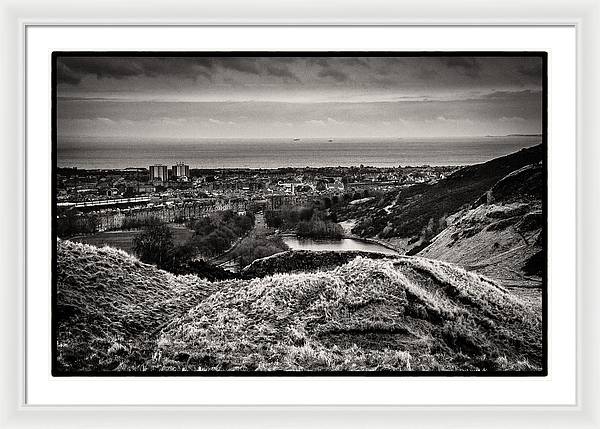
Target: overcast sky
(303,97)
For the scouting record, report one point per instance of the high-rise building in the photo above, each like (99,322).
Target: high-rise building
(158,172)
(181,170)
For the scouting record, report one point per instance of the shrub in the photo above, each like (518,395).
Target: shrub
(154,244)
(535,264)
(319,229)
(256,247)
(215,234)
(75,223)
(131,222)
(273,219)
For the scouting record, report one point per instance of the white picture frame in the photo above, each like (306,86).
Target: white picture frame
(583,16)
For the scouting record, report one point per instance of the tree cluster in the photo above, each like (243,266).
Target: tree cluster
(258,246)
(216,233)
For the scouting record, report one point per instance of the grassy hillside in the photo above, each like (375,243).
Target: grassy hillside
(110,306)
(302,261)
(502,235)
(115,313)
(410,211)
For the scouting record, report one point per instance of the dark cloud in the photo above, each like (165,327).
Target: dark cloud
(533,71)
(187,96)
(356,62)
(373,72)
(70,70)
(283,72)
(259,66)
(334,67)
(328,62)
(322,62)
(468,65)
(392,65)
(243,65)
(426,73)
(65,75)
(335,74)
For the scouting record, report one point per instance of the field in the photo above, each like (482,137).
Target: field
(396,313)
(123,240)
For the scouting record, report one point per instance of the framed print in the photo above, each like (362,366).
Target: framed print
(374,222)
(333,221)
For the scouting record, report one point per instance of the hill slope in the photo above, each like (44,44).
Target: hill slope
(407,213)
(403,313)
(501,235)
(110,306)
(294,261)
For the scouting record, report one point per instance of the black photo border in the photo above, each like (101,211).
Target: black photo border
(55,372)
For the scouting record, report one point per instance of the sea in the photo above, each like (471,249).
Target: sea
(117,153)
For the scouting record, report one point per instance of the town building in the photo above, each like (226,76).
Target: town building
(337,185)
(158,172)
(145,189)
(180,170)
(112,192)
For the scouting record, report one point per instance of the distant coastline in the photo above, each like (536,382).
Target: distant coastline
(514,135)
(282,153)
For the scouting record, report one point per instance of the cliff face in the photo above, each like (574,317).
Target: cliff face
(399,313)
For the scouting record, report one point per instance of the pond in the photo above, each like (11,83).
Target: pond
(336,245)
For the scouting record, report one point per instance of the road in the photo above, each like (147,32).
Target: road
(228,262)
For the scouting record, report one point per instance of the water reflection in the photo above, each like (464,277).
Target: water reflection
(336,245)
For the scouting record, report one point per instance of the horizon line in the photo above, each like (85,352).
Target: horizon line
(306,138)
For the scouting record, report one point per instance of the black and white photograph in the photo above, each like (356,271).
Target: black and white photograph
(299,213)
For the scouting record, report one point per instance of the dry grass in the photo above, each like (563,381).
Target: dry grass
(110,306)
(393,314)
(494,240)
(407,314)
